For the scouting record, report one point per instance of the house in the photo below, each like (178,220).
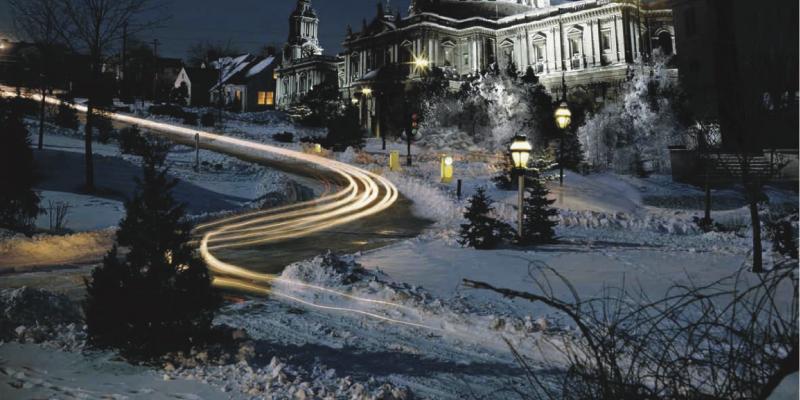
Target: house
(199,82)
(247,82)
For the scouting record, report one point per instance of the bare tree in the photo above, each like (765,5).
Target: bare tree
(95,27)
(205,52)
(39,20)
(736,338)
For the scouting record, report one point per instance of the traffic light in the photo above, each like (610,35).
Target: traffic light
(414,125)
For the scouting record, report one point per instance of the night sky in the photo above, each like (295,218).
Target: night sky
(248,24)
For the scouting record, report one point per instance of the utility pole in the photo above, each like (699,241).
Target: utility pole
(125,60)
(155,67)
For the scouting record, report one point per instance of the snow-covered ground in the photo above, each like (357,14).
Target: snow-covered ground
(330,328)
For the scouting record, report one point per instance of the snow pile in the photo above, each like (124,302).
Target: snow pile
(446,139)
(430,201)
(621,220)
(36,316)
(345,283)
(279,380)
(21,251)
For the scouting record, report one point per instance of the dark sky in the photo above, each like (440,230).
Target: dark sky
(248,24)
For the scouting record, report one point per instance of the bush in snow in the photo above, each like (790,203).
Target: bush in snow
(538,214)
(158,297)
(285,137)
(19,203)
(67,117)
(482,230)
(782,231)
(345,131)
(104,127)
(190,118)
(633,133)
(207,119)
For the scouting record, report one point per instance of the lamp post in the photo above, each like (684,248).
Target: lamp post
(563,119)
(520,154)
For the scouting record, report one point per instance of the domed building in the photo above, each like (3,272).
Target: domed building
(589,44)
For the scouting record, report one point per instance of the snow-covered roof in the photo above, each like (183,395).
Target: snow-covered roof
(260,66)
(239,69)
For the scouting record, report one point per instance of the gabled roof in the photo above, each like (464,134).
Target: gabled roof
(238,70)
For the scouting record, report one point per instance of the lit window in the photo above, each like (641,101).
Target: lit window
(266,98)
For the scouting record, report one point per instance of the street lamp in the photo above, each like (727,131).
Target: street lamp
(421,63)
(366,92)
(520,153)
(563,119)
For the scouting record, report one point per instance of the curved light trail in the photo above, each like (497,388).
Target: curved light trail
(363,194)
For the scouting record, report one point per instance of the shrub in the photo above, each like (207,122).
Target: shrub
(345,131)
(167,110)
(67,117)
(105,128)
(285,137)
(207,119)
(190,119)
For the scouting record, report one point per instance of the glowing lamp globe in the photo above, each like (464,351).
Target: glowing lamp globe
(563,116)
(521,151)
(366,92)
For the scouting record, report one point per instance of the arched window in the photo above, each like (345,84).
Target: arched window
(665,43)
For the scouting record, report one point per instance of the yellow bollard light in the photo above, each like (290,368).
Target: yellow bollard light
(317,148)
(394,161)
(447,168)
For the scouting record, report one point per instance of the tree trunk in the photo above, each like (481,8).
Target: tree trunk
(41,118)
(93,85)
(755,220)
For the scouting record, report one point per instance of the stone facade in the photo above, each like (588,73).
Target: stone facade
(585,42)
(303,66)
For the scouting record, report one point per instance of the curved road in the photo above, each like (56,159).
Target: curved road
(351,194)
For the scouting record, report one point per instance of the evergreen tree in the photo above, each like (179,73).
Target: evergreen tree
(179,95)
(537,214)
(19,203)
(530,77)
(345,131)
(158,297)
(482,231)
(324,102)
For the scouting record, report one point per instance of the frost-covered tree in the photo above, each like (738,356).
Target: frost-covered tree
(636,128)
(19,203)
(482,231)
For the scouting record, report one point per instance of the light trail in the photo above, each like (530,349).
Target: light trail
(363,194)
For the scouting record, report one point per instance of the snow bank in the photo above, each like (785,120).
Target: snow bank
(21,251)
(35,316)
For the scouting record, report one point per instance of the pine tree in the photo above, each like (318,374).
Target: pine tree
(537,214)
(19,203)
(158,297)
(483,231)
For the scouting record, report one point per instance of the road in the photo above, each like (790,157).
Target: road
(358,209)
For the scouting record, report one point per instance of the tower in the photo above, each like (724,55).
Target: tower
(303,32)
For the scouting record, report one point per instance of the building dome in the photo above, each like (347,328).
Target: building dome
(463,9)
